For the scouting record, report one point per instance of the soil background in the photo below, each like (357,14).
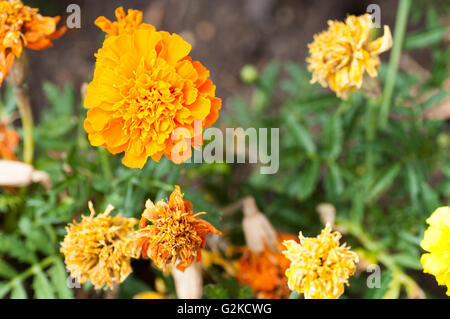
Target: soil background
(225,35)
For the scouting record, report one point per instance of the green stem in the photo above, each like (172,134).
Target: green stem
(26,115)
(371,131)
(104,161)
(30,271)
(399,34)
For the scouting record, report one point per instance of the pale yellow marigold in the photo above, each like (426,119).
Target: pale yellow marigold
(94,249)
(340,56)
(320,267)
(436,242)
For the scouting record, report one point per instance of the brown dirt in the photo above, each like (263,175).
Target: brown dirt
(225,35)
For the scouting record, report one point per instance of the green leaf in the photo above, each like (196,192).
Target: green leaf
(334,183)
(201,204)
(385,281)
(408,261)
(413,182)
(18,292)
(4,289)
(384,182)
(309,180)
(131,287)
(245,293)
(58,277)
(333,136)
(300,134)
(6,270)
(430,198)
(215,292)
(425,38)
(41,285)
(15,248)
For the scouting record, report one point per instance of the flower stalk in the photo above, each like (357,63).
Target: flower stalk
(17,77)
(399,34)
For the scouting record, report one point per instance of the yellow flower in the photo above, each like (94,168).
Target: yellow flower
(148,98)
(149,295)
(436,242)
(319,266)
(94,248)
(175,235)
(340,56)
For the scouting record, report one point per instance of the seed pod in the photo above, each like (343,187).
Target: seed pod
(18,174)
(257,229)
(189,284)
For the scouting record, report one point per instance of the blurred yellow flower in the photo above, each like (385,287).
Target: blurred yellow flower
(149,295)
(319,267)
(340,56)
(175,236)
(22,26)
(94,249)
(436,242)
(9,139)
(147,94)
(265,271)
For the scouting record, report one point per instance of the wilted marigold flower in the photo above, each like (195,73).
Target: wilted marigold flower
(147,93)
(436,242)
(22,26)
(175,236)
(94,249)
(8,142)
(265,271)
(320,267)
(340,56)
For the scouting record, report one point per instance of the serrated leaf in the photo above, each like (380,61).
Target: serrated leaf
(41,285)
(384,182)
(408,261)
(58,277)
(16,248)
(300,134)
(18,292)
(425,38)
(6,270)
(4,289)
(333,136)
(309,179)
(333,182)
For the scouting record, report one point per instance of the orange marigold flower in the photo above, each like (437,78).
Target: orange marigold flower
(145,87)
(340,56)
(8,142)
(94,249)
(175,236)
(125,24)
(264,272)
(22,26)
(320,267)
